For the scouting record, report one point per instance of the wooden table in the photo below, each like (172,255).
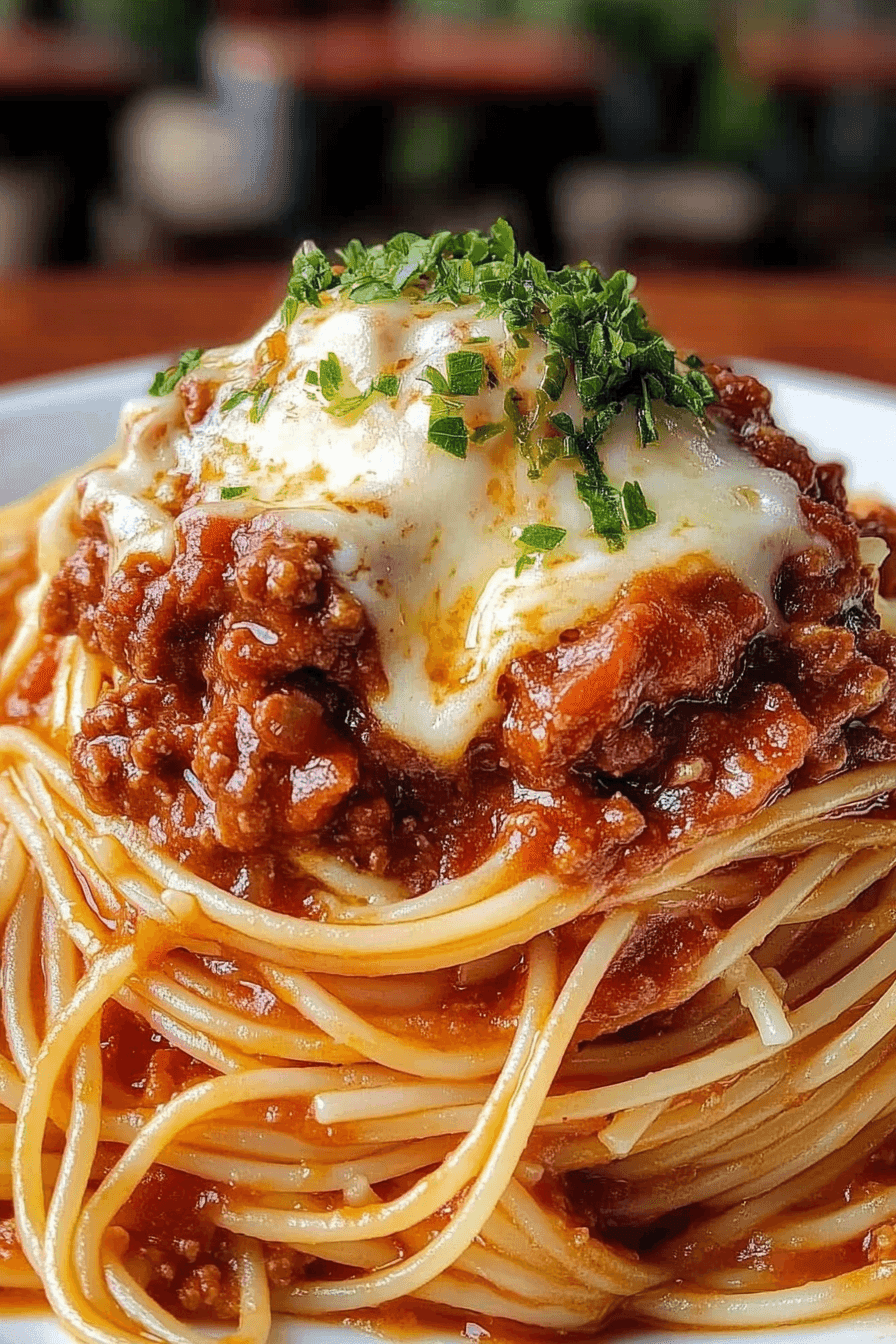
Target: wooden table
(50,322)
(818,60)
(66,62)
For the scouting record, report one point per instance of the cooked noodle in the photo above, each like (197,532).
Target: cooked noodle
(336,1108)
(357,1074)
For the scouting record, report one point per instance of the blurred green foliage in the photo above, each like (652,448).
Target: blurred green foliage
(653,31)
(658,44)
(735,118)
(169,29)
(429,144)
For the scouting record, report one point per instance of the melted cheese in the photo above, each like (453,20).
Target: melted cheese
(426,541)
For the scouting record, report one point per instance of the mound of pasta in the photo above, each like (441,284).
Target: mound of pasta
(447,850)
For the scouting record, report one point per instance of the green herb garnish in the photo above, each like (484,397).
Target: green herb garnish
(593,322)
(540,453)
(342,397)
(233,491)
(563,423)
(637,514)
(594,329)
(260,396)
(466,370)
(236,398)
(330,377)
(554,378)
(512,409)
(646,422)
(437,380)
(378,274)
(449,432)
(535,538)
(167,380)
(311,273)
(593,486)
(482,433)
(603,500)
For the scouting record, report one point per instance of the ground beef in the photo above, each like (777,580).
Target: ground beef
(240,724)
(173,1247)
(838,685)
(879,520)
(218,731)
(744,407)
(196,394)
(29,696)
(592,683)
(77,590)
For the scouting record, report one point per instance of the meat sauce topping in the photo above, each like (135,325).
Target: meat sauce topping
(238,724)
(240,720)
(879,520)
(166,1228)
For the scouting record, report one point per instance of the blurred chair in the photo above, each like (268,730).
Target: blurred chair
(601,208)
(30,197)
(210,163)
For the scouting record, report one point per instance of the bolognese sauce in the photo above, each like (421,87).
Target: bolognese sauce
(424,641)
(243,718)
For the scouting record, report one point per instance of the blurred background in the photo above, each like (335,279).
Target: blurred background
(702,133)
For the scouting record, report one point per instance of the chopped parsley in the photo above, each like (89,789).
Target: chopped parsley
(518,421)
(449,432)
(466,370)
(167,380)
(340,394)
(463,377)
(540,453)
(233,491)
(464,373)
(330,377)
(554,378)
(595,331)
(437,381)
(311,273)
(604,502)
(637,514)
(260,396)
(535,538)
(482,433)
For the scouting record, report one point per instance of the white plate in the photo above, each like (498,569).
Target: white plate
(51,424)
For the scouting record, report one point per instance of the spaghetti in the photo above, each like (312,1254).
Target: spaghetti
(589,1016)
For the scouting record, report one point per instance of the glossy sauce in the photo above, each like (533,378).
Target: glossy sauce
(246,722)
